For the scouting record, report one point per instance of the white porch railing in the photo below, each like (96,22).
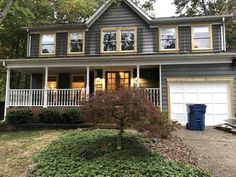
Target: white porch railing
(66,97)
(63,97)
(152,94)
(26,97)
(35,97)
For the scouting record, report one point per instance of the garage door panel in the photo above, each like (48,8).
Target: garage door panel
(221,108)
(221,98)
(205,88)
(178,87)
(190,88)
(205,98)
(178,108)
(221,87)
(181,118)
(191,98)
(177,98)
(214,94)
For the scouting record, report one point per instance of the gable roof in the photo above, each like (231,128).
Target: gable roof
(108,3)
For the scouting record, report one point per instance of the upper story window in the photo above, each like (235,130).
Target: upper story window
(109,41)
(127,40)
(168,38)
(47,44)
(201,37)
(119,40)
(76,42)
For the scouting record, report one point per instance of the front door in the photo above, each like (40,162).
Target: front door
(117,80)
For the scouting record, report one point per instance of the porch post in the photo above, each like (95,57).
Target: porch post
(87,82)
(138,76)
(7,92)
(45,88)
(160,87)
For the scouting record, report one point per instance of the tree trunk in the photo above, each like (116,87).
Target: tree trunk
(120,135)
(204,7)
(5,10)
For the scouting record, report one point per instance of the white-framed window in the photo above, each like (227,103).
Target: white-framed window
(109,41)
(168,38)
(47,44)
(201,37)
(76,42)
(127,42)
(118,40)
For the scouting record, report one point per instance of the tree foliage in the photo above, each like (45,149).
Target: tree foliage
(34,12)
(211,7)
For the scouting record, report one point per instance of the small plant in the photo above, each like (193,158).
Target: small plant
(20,116)
(50,116)
(71,116)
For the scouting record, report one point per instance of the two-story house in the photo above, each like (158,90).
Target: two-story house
(174,61)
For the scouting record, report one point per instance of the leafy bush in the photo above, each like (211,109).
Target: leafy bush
(19,116)
(50,116)
(93,153)
(128,108)
(71,116)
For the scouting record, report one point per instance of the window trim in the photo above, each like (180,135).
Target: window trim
(40,44)
(192,37)
(118,39)
(68,43)
(177,39)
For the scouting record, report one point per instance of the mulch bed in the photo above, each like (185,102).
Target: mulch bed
(172,148)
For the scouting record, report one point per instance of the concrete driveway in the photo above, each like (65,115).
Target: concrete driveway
(214,149)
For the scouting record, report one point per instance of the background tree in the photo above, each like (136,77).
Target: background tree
(22,13)
(211,7)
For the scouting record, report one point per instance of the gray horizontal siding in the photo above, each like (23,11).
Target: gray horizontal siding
(120,16)
(216,32)
(185,45)
(61,44)
(34,48)
(209,70)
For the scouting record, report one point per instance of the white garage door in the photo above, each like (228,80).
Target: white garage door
(216,95)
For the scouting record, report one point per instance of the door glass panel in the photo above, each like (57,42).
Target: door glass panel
(111,81)
(117,80)
(124,80)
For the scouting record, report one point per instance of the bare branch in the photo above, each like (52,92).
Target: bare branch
(6,9)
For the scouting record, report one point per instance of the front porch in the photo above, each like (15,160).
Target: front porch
(72,86)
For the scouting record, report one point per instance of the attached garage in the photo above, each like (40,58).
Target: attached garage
(216,94)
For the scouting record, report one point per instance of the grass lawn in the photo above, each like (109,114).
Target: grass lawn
(93,154)
(17,149)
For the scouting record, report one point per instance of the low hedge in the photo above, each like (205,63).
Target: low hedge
(45,116)
(20,116)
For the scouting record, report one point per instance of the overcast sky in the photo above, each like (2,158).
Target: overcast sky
(164,8)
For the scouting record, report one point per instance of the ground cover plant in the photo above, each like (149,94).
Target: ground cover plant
(93,153)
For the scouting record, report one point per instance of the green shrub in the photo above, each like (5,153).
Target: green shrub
(50,116)
(20,116)
(71,116)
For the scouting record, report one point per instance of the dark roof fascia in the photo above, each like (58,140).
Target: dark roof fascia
(186,20)
(57,27)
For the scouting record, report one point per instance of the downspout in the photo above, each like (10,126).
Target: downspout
(224,34)
(28,43)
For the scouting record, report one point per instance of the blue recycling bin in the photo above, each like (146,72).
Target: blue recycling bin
(196,117)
